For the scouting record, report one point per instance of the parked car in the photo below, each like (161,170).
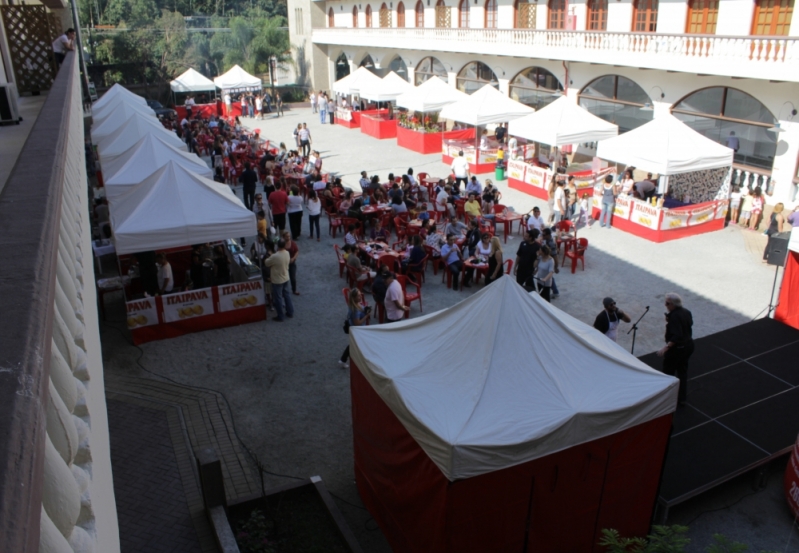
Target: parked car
(160,110)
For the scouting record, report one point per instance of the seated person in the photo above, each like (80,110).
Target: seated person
(363,272)
(398,206)
(455,227)
(346,203)
(472,207)
(394,191)
(351,237)
(354,212)
(414,261)
(435,240)
(379,234)
(474,186)
(535,221)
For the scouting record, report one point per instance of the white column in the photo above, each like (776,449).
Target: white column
(411,74)
(784,169)
(504,86)
(452,78)
(661,108)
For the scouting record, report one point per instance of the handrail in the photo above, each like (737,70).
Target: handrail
(30,215)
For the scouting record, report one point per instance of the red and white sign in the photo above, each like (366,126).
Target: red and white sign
(721,210)
(143,312)
(343,114)
(537,176)
(516,169)
(645,215)
(674,219)
(622,208)
(188,305)
(241,295)
(702,215)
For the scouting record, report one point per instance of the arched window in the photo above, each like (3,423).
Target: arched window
(400,15)
(772,17)
(474,76)
(443,15)
(368,63)
(491,14)
(398,66)
(617,99)
(429,67)
(419,14)
(702,17)
(368,14)
(463,14)
(331,18)
(384,16)
(557,14)
(535,87)
(524,14)
(355,17)
(597,15)
(342,66)
(645,16)
(719,111)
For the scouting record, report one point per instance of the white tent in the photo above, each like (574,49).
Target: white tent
(519,382)
(485,106)
(120,102)
(431,95)
(666,146)
(562,122)
(356,81)
(192,81)
(143,159)
(126,136)
(113,92)
(118,117)
(386,89)
(237,79)
(176,207)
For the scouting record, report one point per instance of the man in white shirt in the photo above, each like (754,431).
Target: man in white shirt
(165,280)
(513,146)
(395,299)
(411,177)
(535,221)
(560,201)
(441,200)
(305,139)
(190,101)
(63,44)
(460,168)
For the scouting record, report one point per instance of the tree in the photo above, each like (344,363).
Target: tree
(251,42)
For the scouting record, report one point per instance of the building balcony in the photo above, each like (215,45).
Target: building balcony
(769,58)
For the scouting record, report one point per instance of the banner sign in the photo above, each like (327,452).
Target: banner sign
(702,215)
(143,312)
(674,219)
(487,156)
(186,305)
(537,176)
(516,169)
(622,208)
(241,295)
(645,214)
(721,210)
(343,114)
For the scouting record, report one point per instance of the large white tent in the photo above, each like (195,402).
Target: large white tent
(530,382)
(99,116)
(176,207)
(237,78)
(127,135)
(666,146)
(143,159)
(431,95)
(562,122)
(386,89)
(485,106)
(355,81)
(191,81)
(113,92)
(119,117)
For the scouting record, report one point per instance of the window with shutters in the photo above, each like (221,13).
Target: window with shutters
(702,17)
(355,17)
(463,14)
(384,16)
(331,18)
(772,17)
(400,15)
(597,15)
(368,14)
(645,16)
(443,15)
(557,14)
(525,14)
(491,14)
(419,14)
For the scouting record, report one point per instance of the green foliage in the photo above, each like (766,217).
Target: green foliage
(255,534)
(666,539)
(252,40)
(115,12)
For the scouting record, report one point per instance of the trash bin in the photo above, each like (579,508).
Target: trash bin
(499,173)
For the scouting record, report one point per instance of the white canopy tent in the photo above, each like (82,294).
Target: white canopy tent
(127,135)
(356,81)
(237,78)
(386,89)
(666,146)
(176,207)
(101,115)
(485,106)
(562,122)
(143,159)
(115,91)
(192,81)
(121,115)
(431,95)
(532,381)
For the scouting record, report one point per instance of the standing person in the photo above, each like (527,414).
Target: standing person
(259,105)
(793,218)
(312,98)
(305,140)
(296,133)
(609,193)
(607,322)
(453,259)
(243,103)
(294,252)
(757,208)
(322,108)
(63,44)
(357,315)
(560,204)
(166,282)
(494,261)
(679,342)
(314,213)
(294,211)
(278,264)
(248,179)
(735,205)
(278,201)
(545,272)
(460,168)
(395,299)
(526,256)
(776,224)
(278,104)
(746,206)
(228,105)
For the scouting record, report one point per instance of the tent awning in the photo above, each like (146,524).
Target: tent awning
(431,95)
(355,81)
(192,81)
(487,105)
(128,134)
(237,78)
(99,116)
(562,122)
(176,207)
(480,396)
(666,146)
(115,91)
(118,118)
(386,89)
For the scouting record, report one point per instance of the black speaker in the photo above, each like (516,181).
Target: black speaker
(778,248)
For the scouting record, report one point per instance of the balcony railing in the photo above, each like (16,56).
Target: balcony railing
(775,58)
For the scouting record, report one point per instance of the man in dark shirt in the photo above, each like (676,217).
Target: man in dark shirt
(499,133)
(607,322)
(379,289)
(526,256)
(473,236)
(679,342)
(248,179)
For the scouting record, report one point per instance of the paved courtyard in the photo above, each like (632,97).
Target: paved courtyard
(291,402)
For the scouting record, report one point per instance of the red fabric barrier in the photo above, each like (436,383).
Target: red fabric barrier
(464,134)
(421,142)
(788,308)
(205,110)
(378,125)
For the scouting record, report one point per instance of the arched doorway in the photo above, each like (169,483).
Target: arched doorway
(430,67)
(463,14)
(617,99)
(342,66)
(368,14)
(384,16)
(557,14)
(524,14)
(491,14)
(419,14)
(535,87)
(400,15)
(597,19)
(331,18)
(368,63)
(355,17)
(718,111)
(474,76)
(399,67)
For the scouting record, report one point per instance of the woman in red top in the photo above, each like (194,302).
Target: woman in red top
(277,201)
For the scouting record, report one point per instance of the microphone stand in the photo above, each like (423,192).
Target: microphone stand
(634,329)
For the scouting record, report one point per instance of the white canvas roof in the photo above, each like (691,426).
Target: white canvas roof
(113,92)
(562,122)
(386,89)
(176,207)
(503,378)
(191,81)
(120,102)
(143,159)
(118,117)
(487,105)
(355,81)
(237,79)
(666,146)
(127,135)
(431,95)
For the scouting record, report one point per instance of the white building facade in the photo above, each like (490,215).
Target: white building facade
(722,66)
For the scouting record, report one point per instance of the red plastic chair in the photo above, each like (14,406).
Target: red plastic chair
(436,261)
(575,249)
(421,273)
(353,278)
(400,227)
(342,263)
(509,263)
(565,226)
(335,223)
(404,281)
(391,261)
(347,221)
